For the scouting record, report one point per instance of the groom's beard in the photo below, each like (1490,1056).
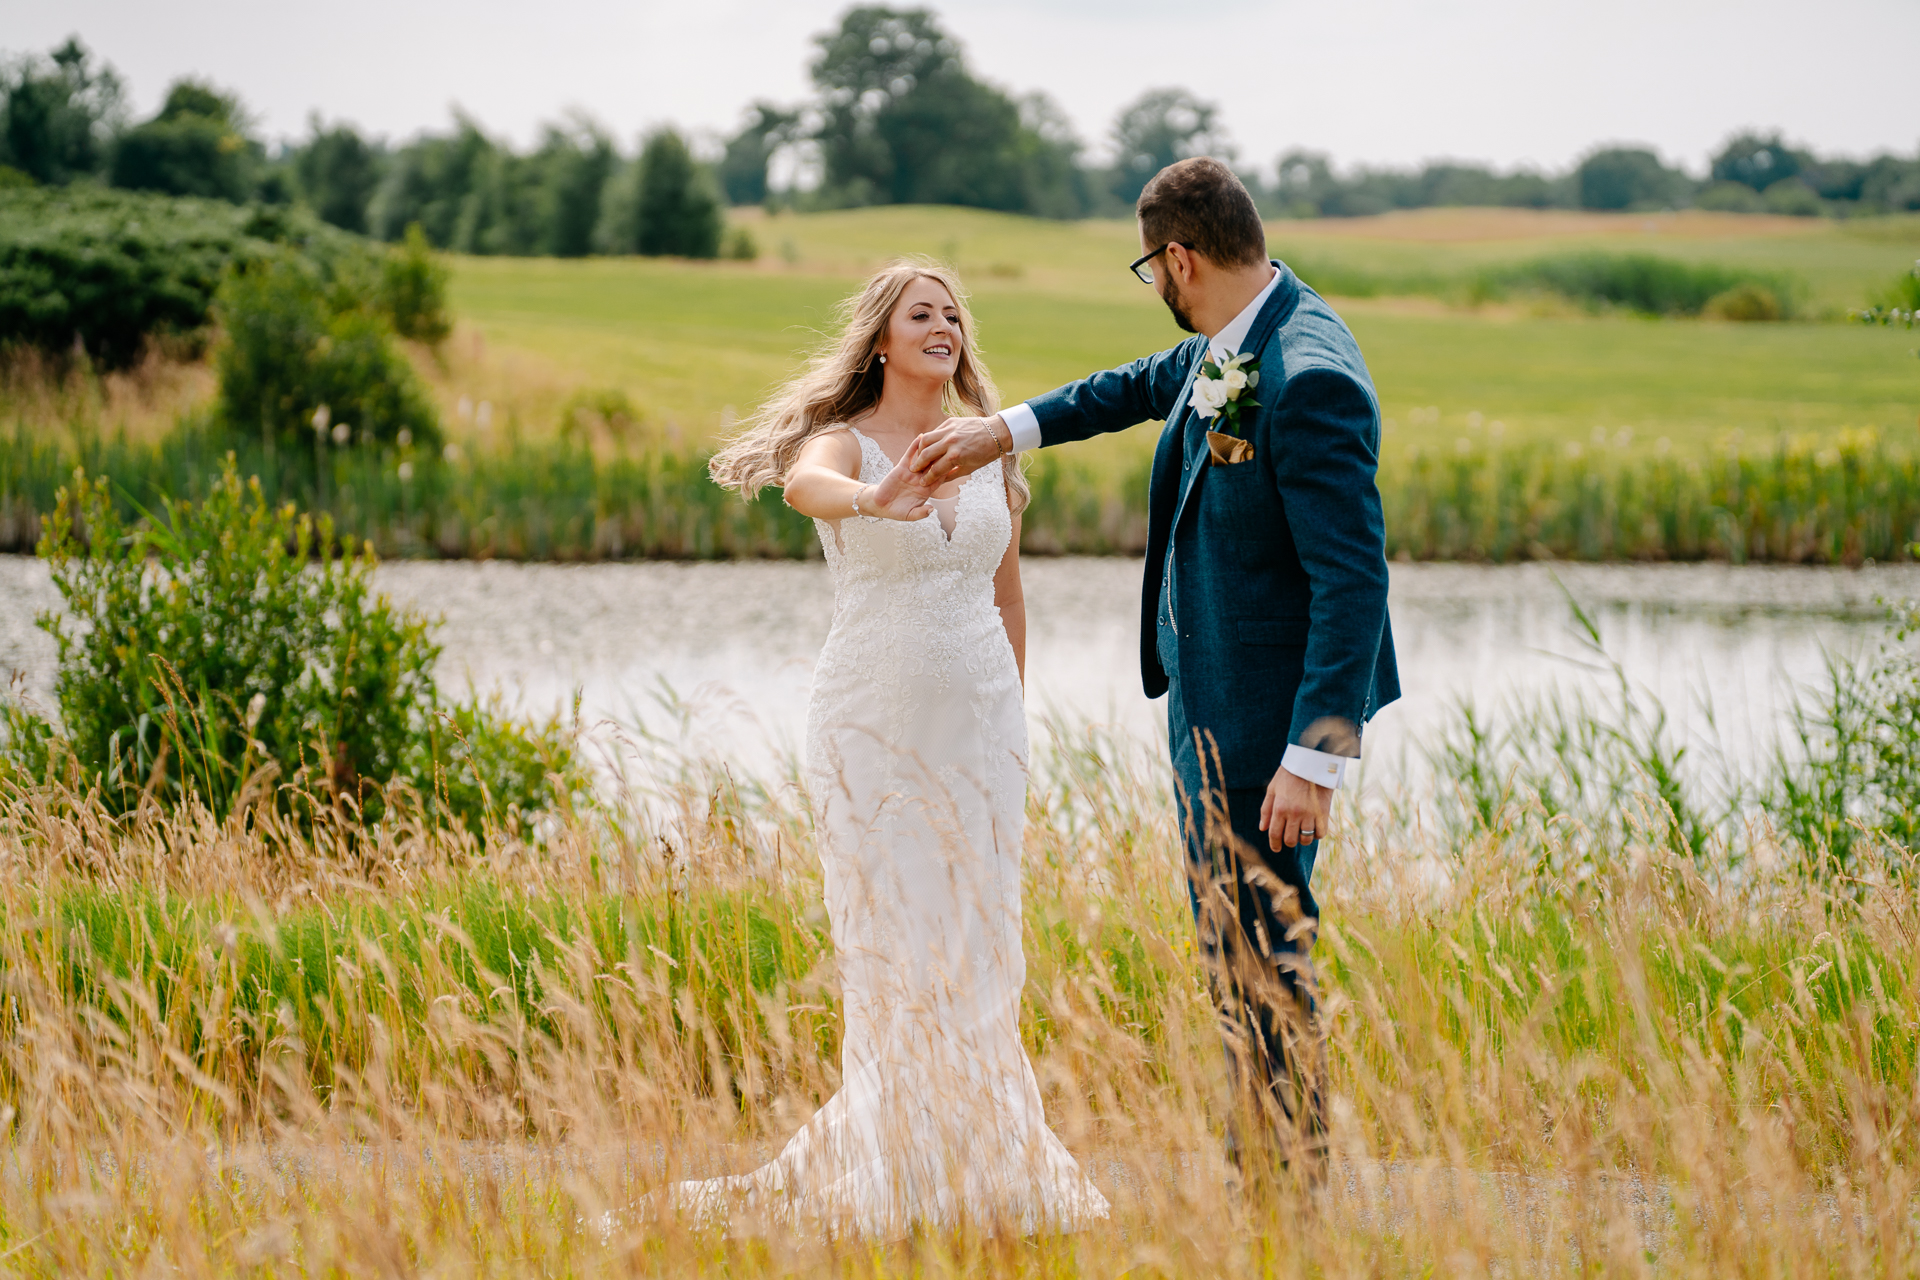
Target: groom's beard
(1177,305)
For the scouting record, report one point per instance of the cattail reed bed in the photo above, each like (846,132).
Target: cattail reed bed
(241,1048)
(1844,499)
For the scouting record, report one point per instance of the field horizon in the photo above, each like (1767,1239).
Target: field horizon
(695,346)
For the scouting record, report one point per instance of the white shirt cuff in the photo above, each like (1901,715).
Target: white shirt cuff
(1322,767)
(1024,427)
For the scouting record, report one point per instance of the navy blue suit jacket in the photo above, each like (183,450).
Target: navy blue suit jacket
(1279,571)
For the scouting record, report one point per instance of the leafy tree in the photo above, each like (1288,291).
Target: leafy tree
(903,121)
(571,168)
(743,170)
(876,57)
(675,209)
(1626,178)
(296,340)
(1757,160)
(430,181)
(196,146)
(1158,128)
(1053,180)
(55,117)
(337,172)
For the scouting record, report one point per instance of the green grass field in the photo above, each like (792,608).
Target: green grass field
(698,344)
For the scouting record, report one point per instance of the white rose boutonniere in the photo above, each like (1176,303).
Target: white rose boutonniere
(1224,391)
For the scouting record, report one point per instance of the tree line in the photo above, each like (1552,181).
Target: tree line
(896,116)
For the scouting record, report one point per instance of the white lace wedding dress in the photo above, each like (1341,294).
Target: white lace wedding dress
(916,762)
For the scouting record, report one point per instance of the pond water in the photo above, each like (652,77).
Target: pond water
(1723,648)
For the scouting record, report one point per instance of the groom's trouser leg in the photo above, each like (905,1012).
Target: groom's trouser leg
(1255,916)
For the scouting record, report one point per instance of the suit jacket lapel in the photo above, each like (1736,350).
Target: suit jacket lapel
(1192,437)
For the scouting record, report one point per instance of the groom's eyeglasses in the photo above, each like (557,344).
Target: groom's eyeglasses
(1141,267)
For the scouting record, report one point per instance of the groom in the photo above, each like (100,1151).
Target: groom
(1264,613)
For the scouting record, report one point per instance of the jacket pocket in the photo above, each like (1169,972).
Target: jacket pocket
(1279,631)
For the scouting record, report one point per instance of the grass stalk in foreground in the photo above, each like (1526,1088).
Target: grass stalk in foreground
(227,1050)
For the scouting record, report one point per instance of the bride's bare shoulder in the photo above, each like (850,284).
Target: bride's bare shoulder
(834,446)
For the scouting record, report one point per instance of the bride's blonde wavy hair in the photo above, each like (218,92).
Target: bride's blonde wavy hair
(843,379)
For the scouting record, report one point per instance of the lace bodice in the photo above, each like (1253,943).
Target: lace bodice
(895,579)
(919,555)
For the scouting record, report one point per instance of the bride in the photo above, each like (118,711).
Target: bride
(916,756)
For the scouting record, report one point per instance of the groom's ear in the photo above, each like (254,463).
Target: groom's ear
(1182,261)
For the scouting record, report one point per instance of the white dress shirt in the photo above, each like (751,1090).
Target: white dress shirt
(1323,767)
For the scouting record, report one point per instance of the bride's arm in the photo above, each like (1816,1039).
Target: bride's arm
(823,483)
(1013,604)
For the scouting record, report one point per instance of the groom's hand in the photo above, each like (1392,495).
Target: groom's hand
(961,446)
(1295,811)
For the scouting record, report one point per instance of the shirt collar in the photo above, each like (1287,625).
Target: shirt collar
(1227,342)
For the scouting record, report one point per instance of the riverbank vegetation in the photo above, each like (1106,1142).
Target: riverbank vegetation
(1601,1027)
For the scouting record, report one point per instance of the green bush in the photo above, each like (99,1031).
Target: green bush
(1730,197)
(1633,281)
(226,652)
(1746,302)
(413,290)
(105,271)
(295,344)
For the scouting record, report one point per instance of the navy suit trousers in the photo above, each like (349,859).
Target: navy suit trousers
(1255,916)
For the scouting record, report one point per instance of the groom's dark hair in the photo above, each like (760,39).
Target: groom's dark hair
(1201,204)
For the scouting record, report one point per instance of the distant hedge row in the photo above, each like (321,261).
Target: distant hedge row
(97,272)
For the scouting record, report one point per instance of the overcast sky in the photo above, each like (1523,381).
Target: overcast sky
(1376,81)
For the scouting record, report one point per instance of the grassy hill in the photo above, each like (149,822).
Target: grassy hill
(698,344)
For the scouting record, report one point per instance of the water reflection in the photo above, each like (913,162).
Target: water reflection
(1722,647)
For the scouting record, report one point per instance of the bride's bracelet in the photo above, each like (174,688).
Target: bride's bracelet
(856,500)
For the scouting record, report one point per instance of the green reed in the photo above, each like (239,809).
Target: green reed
(1833,500)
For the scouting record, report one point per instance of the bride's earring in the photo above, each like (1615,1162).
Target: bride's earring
(883,359)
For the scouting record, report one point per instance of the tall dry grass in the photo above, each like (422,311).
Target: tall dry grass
(245,1049)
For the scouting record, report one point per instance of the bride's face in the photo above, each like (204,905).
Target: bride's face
(923,335)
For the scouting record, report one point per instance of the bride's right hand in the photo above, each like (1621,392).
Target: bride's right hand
(902,494)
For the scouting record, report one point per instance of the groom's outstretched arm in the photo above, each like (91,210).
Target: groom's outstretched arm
(1113,400)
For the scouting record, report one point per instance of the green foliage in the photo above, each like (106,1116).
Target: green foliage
(296,342)
(1156,129)
(413,290)
(676,211)
(1757,161)
(743,169)
(224,647)
(1306,186)
(739,245)
(1633,281)
(1627,178)
(1730,197)
(1745,303)
(1855,770)
(56,117)
(1838,501)
(338,171)
(232,652)
(1794,198)
(104,271)
(196,146)
(904,122)
(1904,293)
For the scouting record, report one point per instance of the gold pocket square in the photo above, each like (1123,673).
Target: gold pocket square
(1227,450)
